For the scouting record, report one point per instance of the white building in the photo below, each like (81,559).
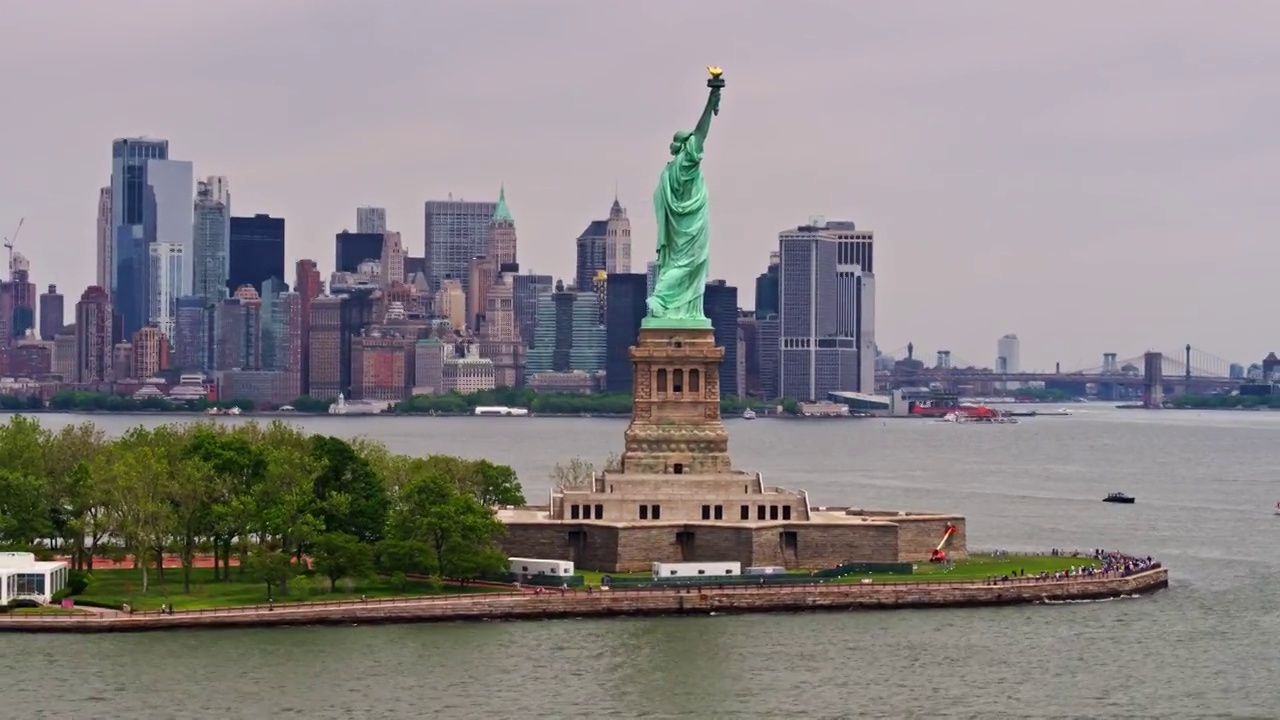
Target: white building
(1008,355)
(468,374)
(22,577)
(371,219)
(169,282)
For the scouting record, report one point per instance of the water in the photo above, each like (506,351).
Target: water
(1206,484)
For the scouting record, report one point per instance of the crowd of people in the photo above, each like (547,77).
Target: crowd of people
(1097,562)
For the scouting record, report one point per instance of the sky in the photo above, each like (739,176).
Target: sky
(1093,177)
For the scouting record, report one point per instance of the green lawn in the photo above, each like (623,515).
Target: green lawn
(977,567)
(47,611)
(117,587)
(981,567)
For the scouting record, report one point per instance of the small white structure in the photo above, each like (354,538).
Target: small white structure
(694,569)
(501,410)
(525,568)
(765,570)
(22,577)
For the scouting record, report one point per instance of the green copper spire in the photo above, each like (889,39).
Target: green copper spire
(501,213)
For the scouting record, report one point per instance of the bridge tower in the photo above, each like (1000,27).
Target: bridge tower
(1188,368)
(1153,380)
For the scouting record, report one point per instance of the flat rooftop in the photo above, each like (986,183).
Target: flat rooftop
(827,515)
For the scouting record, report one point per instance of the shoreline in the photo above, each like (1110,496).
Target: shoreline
(553,604)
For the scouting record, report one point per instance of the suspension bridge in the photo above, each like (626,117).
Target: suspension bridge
(1157,373)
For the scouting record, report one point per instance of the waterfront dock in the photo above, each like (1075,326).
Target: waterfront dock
(618,603)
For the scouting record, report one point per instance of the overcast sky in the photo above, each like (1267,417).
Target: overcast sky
(1093,176)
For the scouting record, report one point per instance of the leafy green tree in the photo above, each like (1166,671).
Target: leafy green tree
(352,499)
(454,526)
(339,555)
(496,485)
(24,508)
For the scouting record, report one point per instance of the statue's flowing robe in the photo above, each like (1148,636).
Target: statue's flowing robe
(683,236)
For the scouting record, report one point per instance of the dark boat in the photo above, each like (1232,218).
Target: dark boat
(1118,498)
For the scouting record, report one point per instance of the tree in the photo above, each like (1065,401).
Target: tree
(339,555)
(497,485)
(72,459)
(135,490)
(236,458)
(285,501)
(272,567)
(577,474)
(24,508)
(456,527)
(353,500)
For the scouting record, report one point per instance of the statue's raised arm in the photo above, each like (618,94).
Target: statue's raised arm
(683,241)
(716,83)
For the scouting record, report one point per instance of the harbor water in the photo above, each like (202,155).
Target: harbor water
(1206,484)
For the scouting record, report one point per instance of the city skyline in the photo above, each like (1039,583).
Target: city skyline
(1019,183)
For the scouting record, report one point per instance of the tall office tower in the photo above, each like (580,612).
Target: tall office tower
(720,305)
(1009,354)
(64,353)
(456,231)
(211,240)
(256,251)
(326,369)
(451,303)
(288,334)
(371,220)
(273,326)
(393,257)
(106,250)
(650,277)
(351,249)
(605,246)
(381,366)
(500,334)
(749,353)
(624,310)
(569,335)
(480,276)
(769,356)
(238,331)
(502,234)
(51,312)
(190,346)
(150,203)
(827,311)
(525,290)
(307,284)
(767,288)
(150,352)
(167,283)
(93,336)
(121,366)
(22,298)
(617,252)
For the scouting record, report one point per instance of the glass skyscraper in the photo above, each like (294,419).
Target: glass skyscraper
(150,203)
(211,243)
(456,232)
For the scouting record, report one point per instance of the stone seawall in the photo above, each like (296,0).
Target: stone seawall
(553,604)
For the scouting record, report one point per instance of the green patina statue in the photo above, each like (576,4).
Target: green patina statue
(684,227)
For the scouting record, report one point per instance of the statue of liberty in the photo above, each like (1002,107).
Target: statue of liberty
(684,230)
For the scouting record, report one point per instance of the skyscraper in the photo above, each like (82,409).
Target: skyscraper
(167,283)
(150,203)
(51,313)
(93,336)
(827,310)
(767,289)
(525,290)
(456,231)
(1009,354)
(604,246)
(307,284)
(624,310)
(257,251)
(351,249)
(106,250)
(502,234)
(392,261)
(211,242)
(720,305)
(371,219)
(191,334)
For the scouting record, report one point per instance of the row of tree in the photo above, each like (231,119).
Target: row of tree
(545,403)
(268,496)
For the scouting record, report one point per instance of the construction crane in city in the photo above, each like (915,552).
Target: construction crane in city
(9,242)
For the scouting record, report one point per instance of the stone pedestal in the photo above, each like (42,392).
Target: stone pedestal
(675,420)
